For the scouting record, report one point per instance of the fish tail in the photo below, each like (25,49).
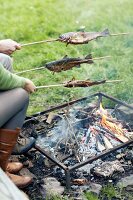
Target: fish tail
(105,33)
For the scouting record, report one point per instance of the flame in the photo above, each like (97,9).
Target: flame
(112,126)
(102,110)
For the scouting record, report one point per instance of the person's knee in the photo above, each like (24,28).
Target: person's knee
(22,94)
(6,61)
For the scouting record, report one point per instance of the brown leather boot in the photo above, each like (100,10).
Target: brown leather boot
(8,140)
(14,167)
(20,181)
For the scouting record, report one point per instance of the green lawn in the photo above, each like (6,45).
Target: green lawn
(27,21)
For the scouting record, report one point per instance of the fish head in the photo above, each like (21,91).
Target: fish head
(66,36)
(50,67)
(53,67)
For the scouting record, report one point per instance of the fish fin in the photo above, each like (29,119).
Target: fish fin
(89,56)
(88,79)
(73,78)
(66,56)
(105,33)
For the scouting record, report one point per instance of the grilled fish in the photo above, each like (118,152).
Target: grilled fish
(82,37)
(82,83)
(67,63)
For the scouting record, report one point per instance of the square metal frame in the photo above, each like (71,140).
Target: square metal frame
(66,169)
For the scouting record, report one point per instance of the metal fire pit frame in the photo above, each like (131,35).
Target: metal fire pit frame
(67,170)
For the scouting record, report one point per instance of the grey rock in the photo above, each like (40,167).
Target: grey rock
(126,182)
(106,169)
(95,188)
(125,114)
(52,186)
(26,172)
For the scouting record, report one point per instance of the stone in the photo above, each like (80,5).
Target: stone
(126,182)
(129,155)
(26,172)
(52,186)
(106,169)
(125,114)
(95,188)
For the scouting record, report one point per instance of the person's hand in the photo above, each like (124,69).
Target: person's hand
(29,86)
(8,46)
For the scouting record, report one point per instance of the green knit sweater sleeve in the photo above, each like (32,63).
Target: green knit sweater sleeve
(9,81)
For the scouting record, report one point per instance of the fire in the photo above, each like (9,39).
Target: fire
(111,126)
(107,123)
(103,111)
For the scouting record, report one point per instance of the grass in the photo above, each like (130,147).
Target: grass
(108,191)
(27,21)
(91,196)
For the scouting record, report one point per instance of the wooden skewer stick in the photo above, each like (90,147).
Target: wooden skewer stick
(117,34)
(38,42)
(112,81)
(39,68)
(64,84)
(49,86)
(29,70)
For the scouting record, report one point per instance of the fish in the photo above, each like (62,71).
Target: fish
(82,83)
(67,63)
(82,37)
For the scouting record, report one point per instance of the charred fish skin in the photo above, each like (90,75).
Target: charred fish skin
(82,37)
(68,63)
(82,83)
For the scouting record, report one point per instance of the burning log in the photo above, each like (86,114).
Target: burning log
(107,143)
(99,144)
(112,127)
(117,131)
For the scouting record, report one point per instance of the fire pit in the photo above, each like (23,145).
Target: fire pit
(81,130)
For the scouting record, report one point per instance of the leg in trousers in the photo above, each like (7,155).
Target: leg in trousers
(6,61)
(12,115)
